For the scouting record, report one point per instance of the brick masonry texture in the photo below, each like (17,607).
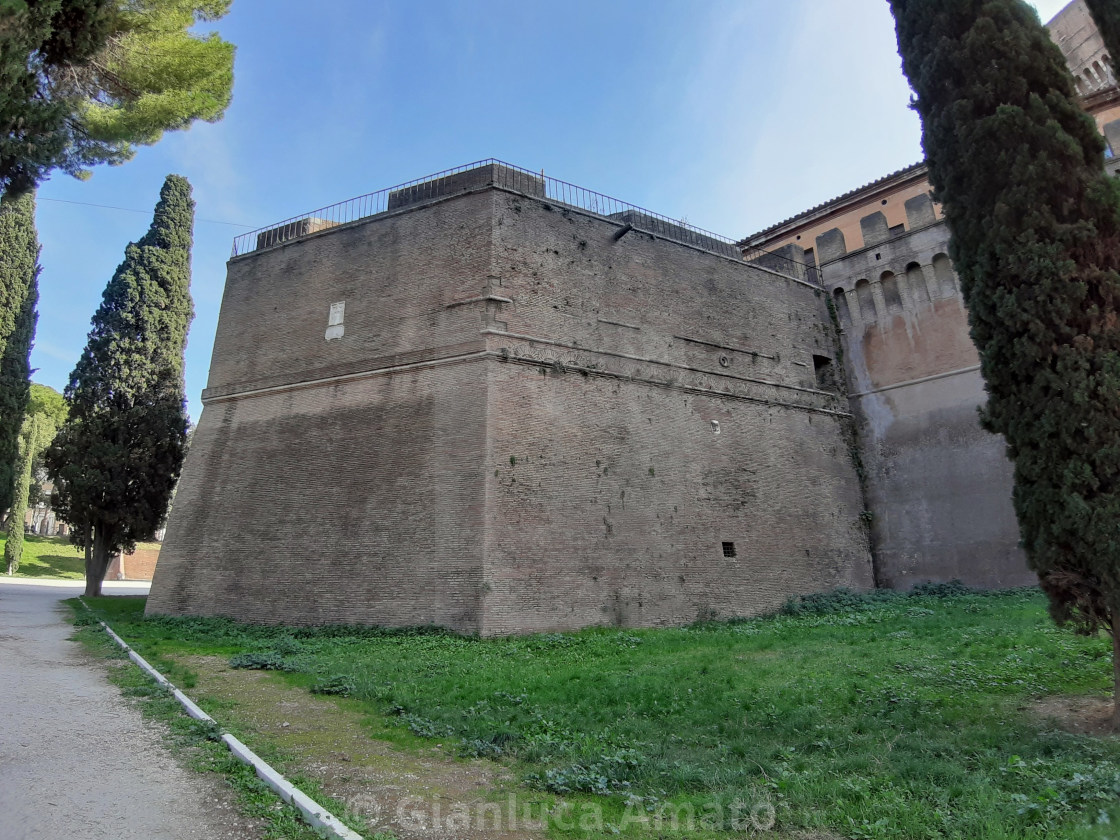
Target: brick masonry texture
(139,565)
(516,432)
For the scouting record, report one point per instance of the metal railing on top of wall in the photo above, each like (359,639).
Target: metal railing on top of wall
(498,173)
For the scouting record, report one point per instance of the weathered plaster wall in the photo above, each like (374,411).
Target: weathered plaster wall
(846,218)
(939,486)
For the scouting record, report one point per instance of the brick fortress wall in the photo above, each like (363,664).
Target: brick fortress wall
(611,491)
(515,431)
(339,481)
(939,486)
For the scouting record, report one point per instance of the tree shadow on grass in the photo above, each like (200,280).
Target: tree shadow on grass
(53,566)
(49,557)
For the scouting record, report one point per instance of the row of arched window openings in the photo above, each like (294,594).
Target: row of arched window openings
(923,287)
(1095,76)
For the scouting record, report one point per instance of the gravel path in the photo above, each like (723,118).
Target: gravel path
(76,761)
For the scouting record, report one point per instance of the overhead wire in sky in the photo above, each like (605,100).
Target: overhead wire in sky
(131,210)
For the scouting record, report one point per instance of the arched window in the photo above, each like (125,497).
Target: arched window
(946,280)
(916,280)
(891,296)
(1102,74)
(1089,80)
(866,300)
(841,301)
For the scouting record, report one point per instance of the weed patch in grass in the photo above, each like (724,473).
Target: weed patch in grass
(268,660)
(882,715)
(339,685)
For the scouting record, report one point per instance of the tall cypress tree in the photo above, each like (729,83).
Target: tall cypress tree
(1106,14)
(46,411)
(118,455)
(1035,223)
(13,545)
(19,292)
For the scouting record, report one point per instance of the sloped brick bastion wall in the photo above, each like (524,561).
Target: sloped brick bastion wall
(487,412)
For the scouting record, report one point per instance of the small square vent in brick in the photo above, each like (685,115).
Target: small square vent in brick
(729,549)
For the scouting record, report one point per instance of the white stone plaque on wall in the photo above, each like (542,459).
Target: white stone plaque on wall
(335,327)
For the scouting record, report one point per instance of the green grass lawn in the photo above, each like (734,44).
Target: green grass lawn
(877,717)
(48,557)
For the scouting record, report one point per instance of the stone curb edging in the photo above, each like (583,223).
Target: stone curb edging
(315,815)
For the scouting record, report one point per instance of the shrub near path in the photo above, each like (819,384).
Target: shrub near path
(862,716)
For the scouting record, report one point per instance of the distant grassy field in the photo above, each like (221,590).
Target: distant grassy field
(48,557)
(854,717)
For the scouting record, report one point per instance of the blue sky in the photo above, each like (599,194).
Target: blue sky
(732,115)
